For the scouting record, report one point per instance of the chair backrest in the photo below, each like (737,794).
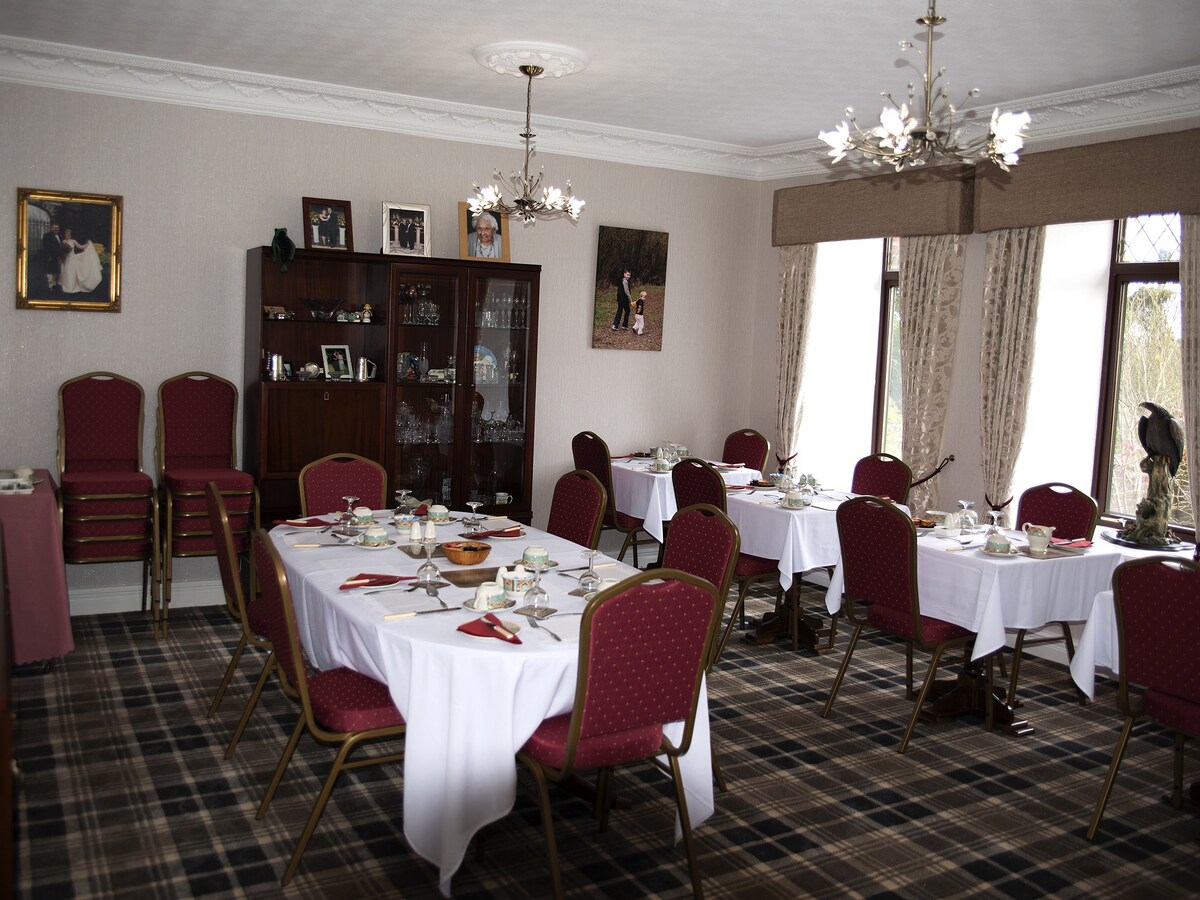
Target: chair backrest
(324,482)
(879,554)
(100,421)
(226,548)
(577,508)
(279,617)
(591,454)
(747,447)
(702,541)
(1069,510)
(655,628)
(197,422)
(882,475)
(1157,601)
(695,481)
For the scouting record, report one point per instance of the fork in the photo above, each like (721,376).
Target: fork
(534,622)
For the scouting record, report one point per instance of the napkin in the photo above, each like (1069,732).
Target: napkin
(737,487)
(488,626)
(422,510)
(310,522)
(367,579)
(1067,542)
(510,531)
(724,465)
(626,456)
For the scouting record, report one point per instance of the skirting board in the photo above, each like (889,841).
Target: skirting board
(128,598)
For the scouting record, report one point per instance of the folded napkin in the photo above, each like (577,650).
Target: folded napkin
(510,531)
(724,465)
(367,579)
(626,456)
(310,522)
(737,487)
(489,626)
(1067,542)
(422,510)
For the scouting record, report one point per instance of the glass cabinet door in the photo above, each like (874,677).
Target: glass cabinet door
(503,312)
(426,343)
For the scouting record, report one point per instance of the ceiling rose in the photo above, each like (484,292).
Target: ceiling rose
(507,58)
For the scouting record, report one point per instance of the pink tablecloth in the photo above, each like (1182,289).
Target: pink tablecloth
(37,579)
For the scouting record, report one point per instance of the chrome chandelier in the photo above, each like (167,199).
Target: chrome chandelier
(526,196)
(910,136)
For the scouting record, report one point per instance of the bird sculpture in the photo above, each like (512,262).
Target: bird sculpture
(283,249)
(1161,435)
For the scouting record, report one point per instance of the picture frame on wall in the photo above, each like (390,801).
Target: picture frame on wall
(68,250)
(489,242)
(336,360)
(328,224)
(406,229)
(631,289)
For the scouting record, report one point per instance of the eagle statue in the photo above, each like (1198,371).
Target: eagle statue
(1161,435)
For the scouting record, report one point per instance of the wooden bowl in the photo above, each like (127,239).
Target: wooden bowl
(466,553)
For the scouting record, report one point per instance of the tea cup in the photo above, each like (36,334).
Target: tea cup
(517,581)
(489,595)
(795,499)
(375,536)
(24,472)
(438,513)
(997,543)
(660,464)
(363,516)
(535,556)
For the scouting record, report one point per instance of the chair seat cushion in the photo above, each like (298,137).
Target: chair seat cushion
(548,745)
(628,523)
(748,565)
(195,480)
(344,700)
(99,484)
(133,507)
(1174,712)
(106,528)
(900,622)
(107,551)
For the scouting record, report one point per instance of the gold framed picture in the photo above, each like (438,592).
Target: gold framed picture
(68,250)
(484,236)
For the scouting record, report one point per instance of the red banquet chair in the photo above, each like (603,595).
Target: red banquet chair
(747,447)
(879,568)
(324,482)
(591,454)
(338,706)
(197,430)
(882,475)
(109,507)
(656,627)
(577,508)
(1157,604)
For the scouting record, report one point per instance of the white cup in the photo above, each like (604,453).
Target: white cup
(489,595)
(375,536)
(23,472)
(503,498)
(535,556)
(362,515)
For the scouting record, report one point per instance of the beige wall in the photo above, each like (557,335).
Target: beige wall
(201,186)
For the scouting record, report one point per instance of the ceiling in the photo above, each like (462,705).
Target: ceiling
(738,88)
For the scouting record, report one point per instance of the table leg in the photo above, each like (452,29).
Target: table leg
(969,694)
(812,632)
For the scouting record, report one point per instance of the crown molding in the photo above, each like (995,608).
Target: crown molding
(1166,101)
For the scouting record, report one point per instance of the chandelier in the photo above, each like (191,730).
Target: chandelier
(910,136)
(525,195)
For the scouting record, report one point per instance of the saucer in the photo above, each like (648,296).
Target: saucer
(359,543)
(508,604)
(1012,551)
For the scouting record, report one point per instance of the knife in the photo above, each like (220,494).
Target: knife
(584,568)
(418,612)
(306,546)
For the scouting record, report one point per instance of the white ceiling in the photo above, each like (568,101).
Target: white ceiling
(733,86)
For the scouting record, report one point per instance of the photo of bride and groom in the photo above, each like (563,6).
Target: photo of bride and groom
(71,244)
(71,266)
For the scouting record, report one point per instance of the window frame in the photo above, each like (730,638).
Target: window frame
(890,279)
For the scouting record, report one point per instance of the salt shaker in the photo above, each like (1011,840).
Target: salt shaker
(414,533)
(430,532)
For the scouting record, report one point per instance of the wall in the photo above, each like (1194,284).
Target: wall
(200,186)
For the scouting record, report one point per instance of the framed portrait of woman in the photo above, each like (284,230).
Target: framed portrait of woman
(328,224)
(483,235)
(68,250)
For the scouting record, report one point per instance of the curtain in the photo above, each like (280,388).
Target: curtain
(931,269)
(1010,299)
(1189,286)
(795,298)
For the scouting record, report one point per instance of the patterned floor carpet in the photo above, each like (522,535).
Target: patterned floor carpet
(124,792)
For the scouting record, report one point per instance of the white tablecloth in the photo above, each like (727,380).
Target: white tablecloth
(650,496)
(470,703)
(800,539)
(986,594)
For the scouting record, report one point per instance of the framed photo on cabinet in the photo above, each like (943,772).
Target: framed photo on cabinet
(484,236)
(328,224)
(336,359)
(406,229)
(68,250)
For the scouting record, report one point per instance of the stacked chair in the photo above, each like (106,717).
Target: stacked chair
(197,443)
(109,508)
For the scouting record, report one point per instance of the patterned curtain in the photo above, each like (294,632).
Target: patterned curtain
(1189,286)
(931,269)
(795,297)
(1010,302)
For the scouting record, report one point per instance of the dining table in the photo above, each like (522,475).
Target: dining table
(650,496)
(470,703)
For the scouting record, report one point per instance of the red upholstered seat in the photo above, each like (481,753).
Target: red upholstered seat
(747,447)
(337,706)
(591,454)
(577,508)
(882,475)
(84,484)
(1157,603)
(879,569)
(748,566)
(324,482)
(655,628)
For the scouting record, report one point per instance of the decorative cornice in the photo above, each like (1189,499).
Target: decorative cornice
(1169,98)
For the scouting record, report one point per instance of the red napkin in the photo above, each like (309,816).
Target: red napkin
(489,626)
(310,522)
(1067,542)
(511,531)
(626,456)
(367,579)
(422,510)
(736,487)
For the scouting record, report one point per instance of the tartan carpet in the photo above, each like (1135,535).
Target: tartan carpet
(123,790)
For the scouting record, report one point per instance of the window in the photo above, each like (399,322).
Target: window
(889,402)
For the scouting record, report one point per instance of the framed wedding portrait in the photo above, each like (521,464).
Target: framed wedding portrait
(406,229)
(482,236)
(328,224)
(336,360)
(68,250)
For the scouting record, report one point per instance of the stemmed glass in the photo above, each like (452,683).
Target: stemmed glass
(536,597)
(968,517)
(473,522)
(589,581)
(347,529)
(401,501)
(995,515)
(428,574)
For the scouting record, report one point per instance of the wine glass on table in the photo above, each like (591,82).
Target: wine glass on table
(346,528)
(428,573)
(402,501)
(968,518)
(473,522)
(589,581)
(995,515)
(536,597)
